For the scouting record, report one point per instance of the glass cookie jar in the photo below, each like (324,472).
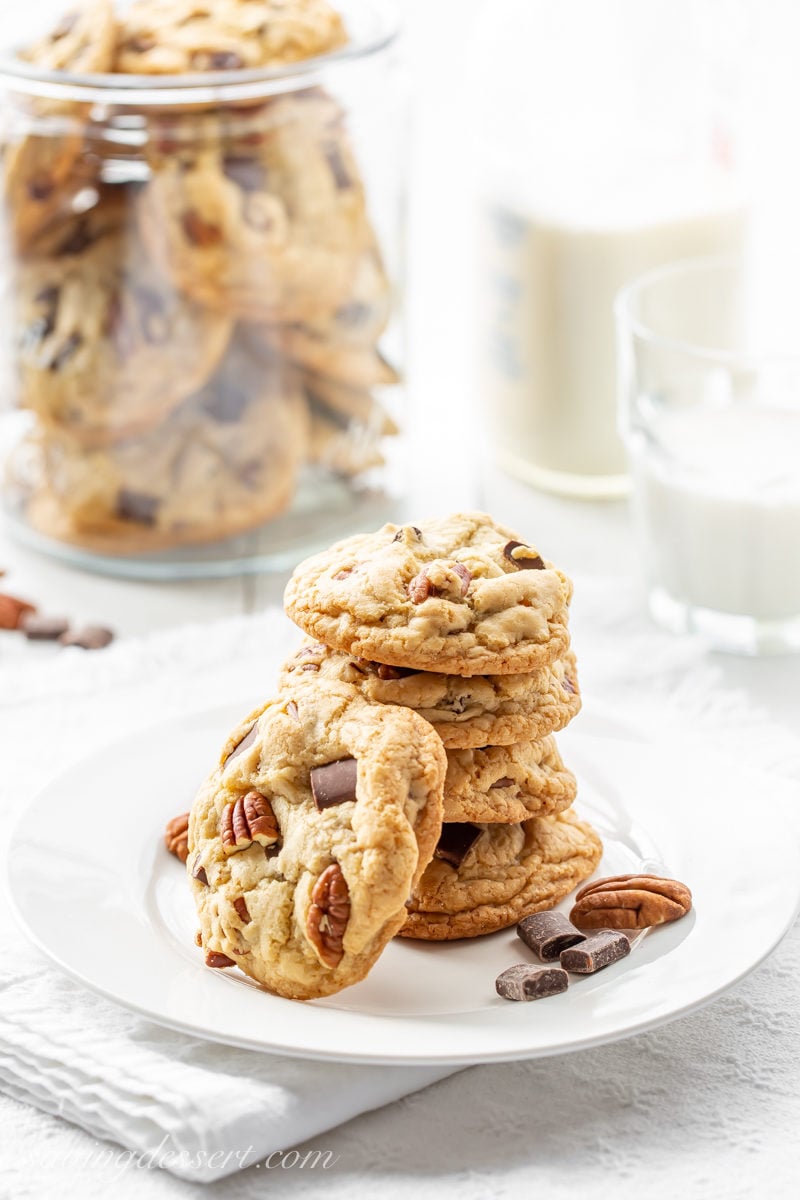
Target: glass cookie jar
(200,289)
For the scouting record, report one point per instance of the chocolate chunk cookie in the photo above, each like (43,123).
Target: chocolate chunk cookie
(507,783)
(482,710)
(223,35)
(264,217)
(223,462)
(97,327)
(45,162)
(458,594)
(342,345)
(306,840)
(486,877)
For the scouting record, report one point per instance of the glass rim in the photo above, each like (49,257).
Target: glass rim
(628,321)
(199,87)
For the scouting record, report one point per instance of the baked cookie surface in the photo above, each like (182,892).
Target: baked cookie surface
(481,710)
(224,35)
(459,594)
(507,872)
(223,462)
(97,326)
(306,840)
(507,783)
(263,217)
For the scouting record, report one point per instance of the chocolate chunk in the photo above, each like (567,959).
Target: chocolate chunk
(524,982)
(137,506)
(598,950)
(569,686)
(354,314)
(226,403)
(548,933)
(90,637)
(217,60)
(341,175)
(140,44)
(77,240)
(44,325)
(334,783)
(66,351)
(39,628)
(199,872)
(243,745)
(456,841)
(247,173)
(41,187)
(506,781)
(522,560)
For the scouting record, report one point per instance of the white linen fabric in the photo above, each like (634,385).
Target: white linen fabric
(710,1103)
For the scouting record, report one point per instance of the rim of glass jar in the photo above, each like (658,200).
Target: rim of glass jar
(628,320)
(208,87)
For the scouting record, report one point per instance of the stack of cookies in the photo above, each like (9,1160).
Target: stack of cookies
(405,780)
(198,290)
(466,625)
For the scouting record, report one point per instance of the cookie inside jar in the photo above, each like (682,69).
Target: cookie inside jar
(202,325)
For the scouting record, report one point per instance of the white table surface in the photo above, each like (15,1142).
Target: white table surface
(448,471)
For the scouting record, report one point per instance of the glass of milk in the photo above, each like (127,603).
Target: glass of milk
(709,354)
(606,144)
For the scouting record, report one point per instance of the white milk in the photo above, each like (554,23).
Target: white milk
(548,284)
(718,503)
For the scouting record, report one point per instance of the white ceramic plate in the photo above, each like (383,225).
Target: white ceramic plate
(98,893)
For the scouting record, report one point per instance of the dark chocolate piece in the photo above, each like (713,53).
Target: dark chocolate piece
(341,176)
(137,506)
(398,537)
(456,841)
(334,783)
(218,961)
(505,782)
(199,872)
(598,950)
(246,172)
(244,744)
(90,637)
(524,982)
(524,562)
(548,934)
(40,628)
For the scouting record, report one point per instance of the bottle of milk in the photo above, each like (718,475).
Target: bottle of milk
(606,146)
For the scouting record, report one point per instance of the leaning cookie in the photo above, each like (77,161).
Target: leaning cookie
(482,710)
(486,877)
(306,840)
(507,783)
(459,594)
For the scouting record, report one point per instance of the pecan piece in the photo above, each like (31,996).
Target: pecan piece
(176,836)
(328,916)
(448,579)
(249,819)
(13,611)
(215,959)
(199,231)
(630,902)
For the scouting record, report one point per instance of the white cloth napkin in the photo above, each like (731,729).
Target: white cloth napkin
(201,1110)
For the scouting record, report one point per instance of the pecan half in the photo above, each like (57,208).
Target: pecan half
(176,836)
(249,819)
(448,579)
(630,902)
(328,916)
